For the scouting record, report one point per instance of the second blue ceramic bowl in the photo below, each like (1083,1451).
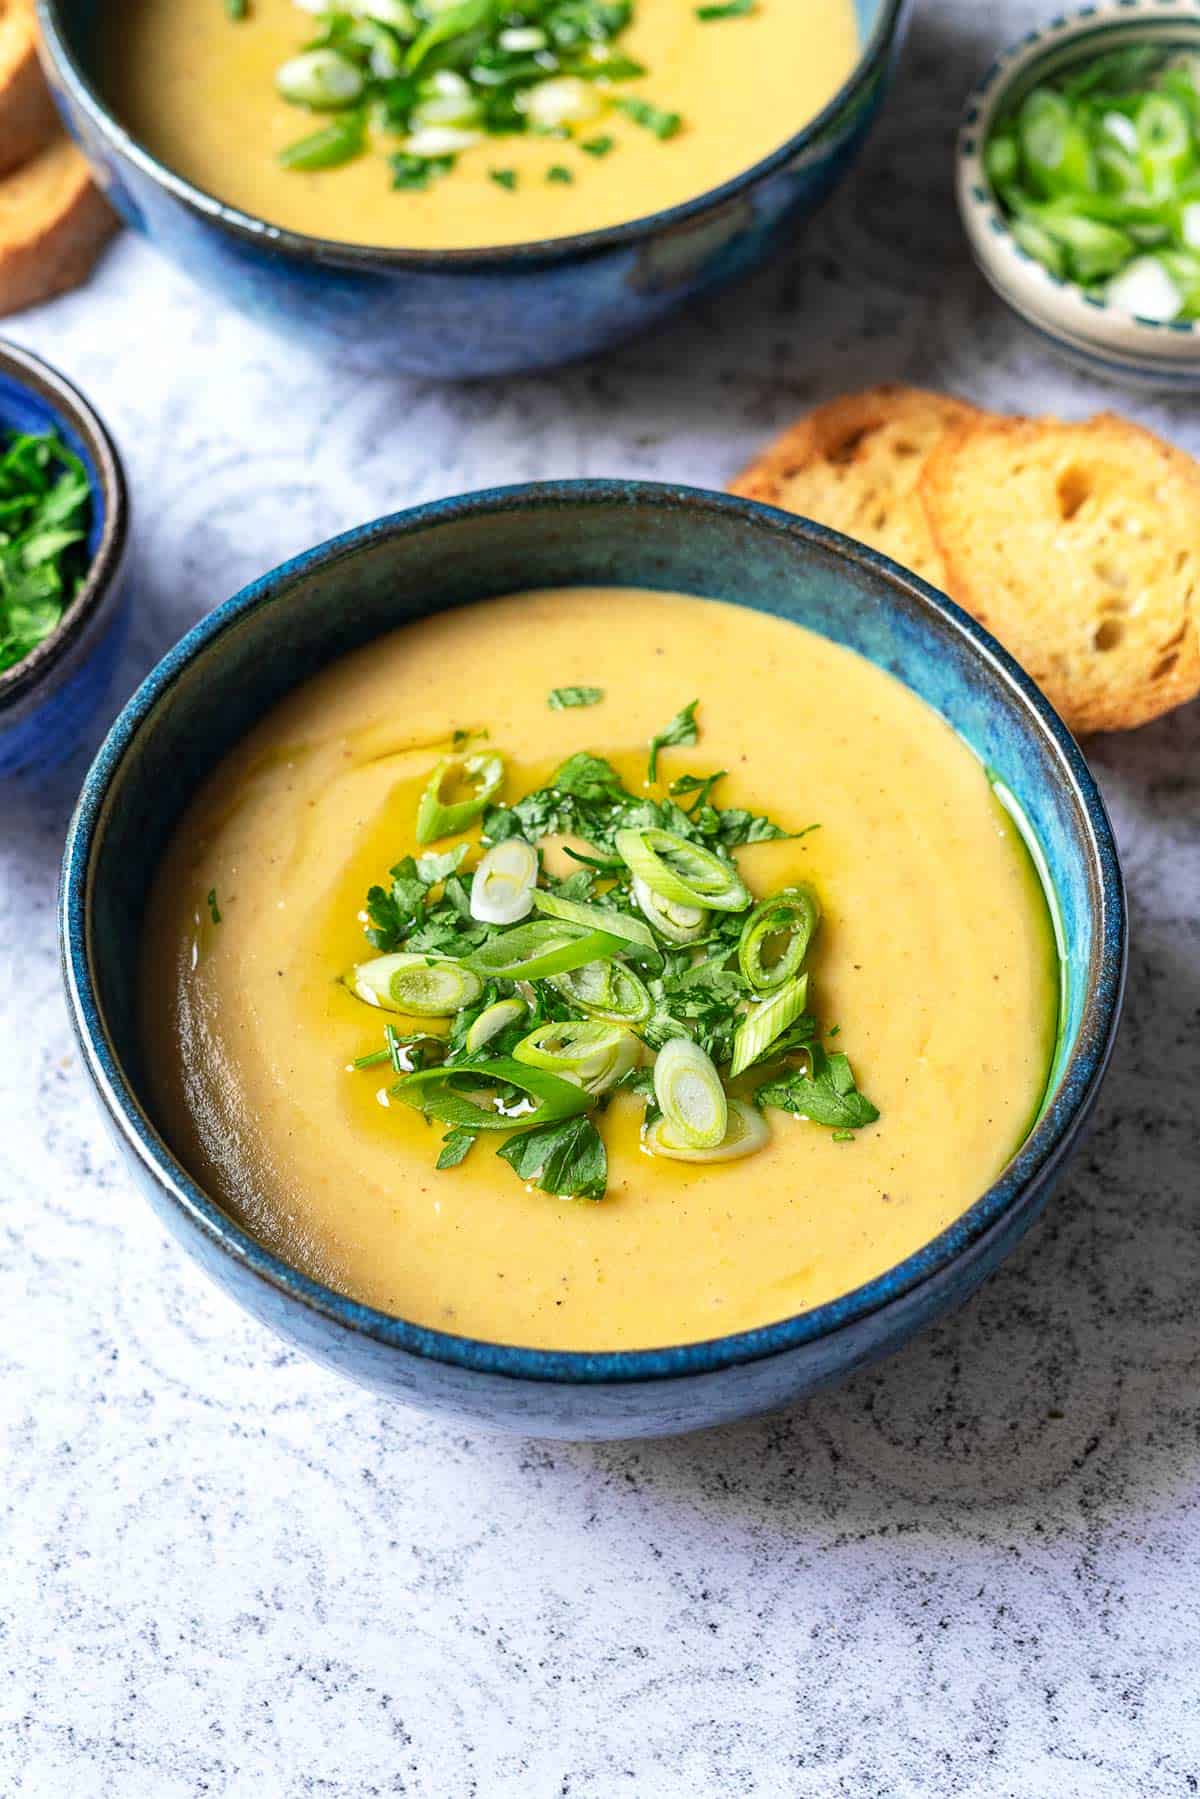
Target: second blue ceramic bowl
(467,312)
(48,700)
(235,665)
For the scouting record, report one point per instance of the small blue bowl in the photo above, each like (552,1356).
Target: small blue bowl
(467,312)
(48,700)
(242,659)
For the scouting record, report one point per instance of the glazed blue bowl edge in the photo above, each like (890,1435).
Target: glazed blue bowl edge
(50,700)
(452,553)
(457,314)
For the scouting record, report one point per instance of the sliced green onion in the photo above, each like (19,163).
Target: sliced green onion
(533,952)
(767,1021)
(678,924)
(1145,289)
(321,80)
(454,1094)
(423,985)
(682,872)
(565,100)
(492,1020)
(502,890)
(1164,142)
(746,1132)
(593,1054)
(336,143)
(1054,146)
(606,989)
(793,914)
(690,1094)
(635,935)
(439,817)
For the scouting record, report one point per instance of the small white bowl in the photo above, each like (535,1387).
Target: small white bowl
(1104,338)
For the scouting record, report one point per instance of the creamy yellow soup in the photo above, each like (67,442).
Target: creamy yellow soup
(934,957)
(198,90)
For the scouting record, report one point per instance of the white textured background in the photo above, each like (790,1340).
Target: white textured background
(970,1572)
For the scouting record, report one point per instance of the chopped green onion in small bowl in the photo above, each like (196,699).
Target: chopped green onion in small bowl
(1079,186)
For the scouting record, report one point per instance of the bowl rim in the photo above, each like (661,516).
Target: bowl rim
(332,253)
(60,395)
(1055,304)
(1032,1166)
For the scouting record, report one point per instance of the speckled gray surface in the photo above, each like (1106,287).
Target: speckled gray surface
(970,1572)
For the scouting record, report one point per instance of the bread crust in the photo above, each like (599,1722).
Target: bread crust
(1078,546)
(53,224)
(854,464)
(27,117)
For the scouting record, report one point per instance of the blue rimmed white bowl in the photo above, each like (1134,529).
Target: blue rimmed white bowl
(467,312)
(48,700)
(239,662)
(1099,337)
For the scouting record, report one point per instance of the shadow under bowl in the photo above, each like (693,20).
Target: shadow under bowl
(241,660)
(1094,335)
(458,313)
(50,698)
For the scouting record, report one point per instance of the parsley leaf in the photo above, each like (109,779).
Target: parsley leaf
(213,909)
(563,697)
(598,146)
(726,9)
(456,1147)
(827,1096)
(567,1158)
(681,730)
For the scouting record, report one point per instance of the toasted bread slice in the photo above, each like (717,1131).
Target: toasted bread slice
(1078,545)
(53,225)
(27,116)
(855,464)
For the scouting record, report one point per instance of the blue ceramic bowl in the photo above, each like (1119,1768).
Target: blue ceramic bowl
(468,312)
(239,662)
(48,700)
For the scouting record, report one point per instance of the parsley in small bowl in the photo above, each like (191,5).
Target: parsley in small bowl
(63,527)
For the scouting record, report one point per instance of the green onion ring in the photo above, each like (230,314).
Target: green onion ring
(424,986)
(593,1054)
(492,1020)
(605,989)
(502,887)
(437,818)
(691,877)
(745,1134)
(678,924)
(534,952)
(438,1093)
(602,918)
(690,1095)
(767,1021)
(795,911)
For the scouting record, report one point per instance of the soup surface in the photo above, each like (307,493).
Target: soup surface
(934,957)
(198,90)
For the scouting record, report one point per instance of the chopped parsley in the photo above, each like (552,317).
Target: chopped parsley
(416,172)
(45,511)
(639,989)
(681,730)
(214,910)
(826,1095)
(442,79)
(729,9)
(567,1159)
(651,118)
(561,698)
